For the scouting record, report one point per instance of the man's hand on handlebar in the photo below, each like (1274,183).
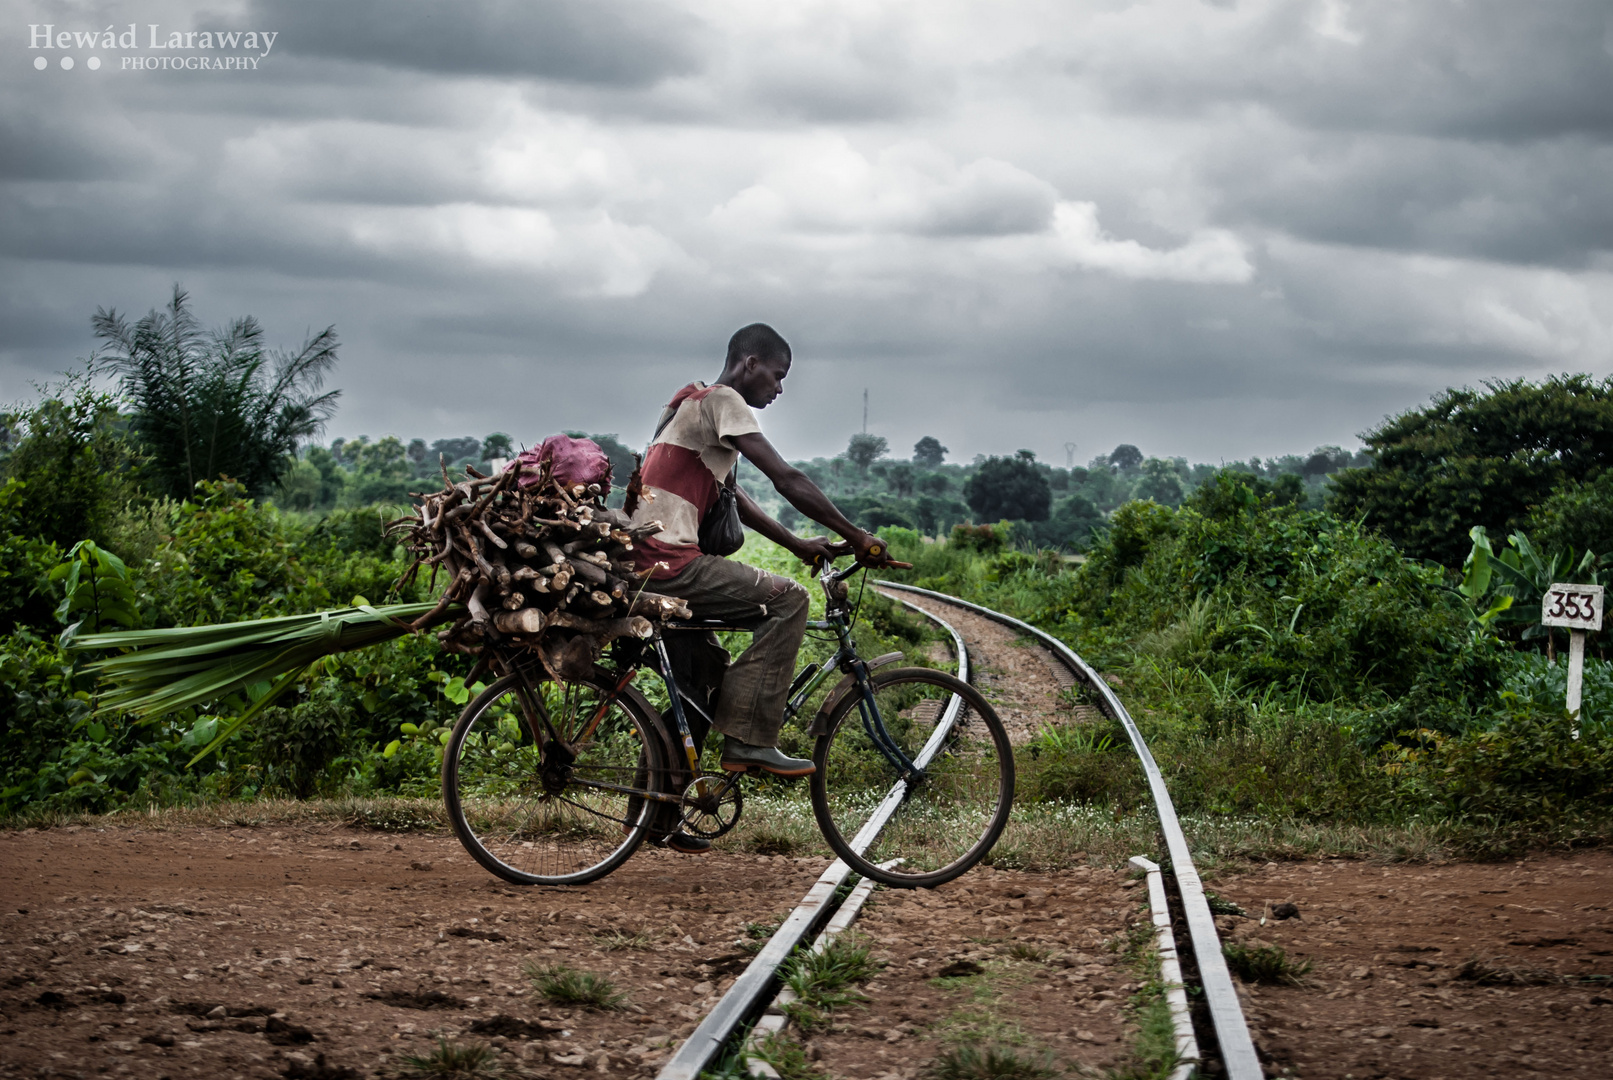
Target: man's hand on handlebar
(869,549)
(813,550)
(872,551)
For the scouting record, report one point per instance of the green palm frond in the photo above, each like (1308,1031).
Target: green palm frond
(164,671)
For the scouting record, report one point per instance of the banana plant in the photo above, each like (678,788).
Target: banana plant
(1509,586)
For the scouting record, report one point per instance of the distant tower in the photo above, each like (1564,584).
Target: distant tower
(1069,455)
(865,410)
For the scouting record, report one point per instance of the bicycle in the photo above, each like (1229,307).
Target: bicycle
(558,784)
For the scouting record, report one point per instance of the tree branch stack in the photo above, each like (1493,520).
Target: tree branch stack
(537,564)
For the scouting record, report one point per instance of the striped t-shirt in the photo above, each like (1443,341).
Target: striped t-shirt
(691,456)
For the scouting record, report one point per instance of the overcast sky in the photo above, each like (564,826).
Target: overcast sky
(1214,230)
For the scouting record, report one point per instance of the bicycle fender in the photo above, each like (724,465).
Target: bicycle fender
(847,683)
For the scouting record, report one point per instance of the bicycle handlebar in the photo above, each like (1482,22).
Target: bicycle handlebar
(827,571)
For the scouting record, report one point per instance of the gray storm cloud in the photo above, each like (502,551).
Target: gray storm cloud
(1211,230)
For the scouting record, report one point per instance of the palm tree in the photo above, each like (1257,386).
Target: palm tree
(211,403)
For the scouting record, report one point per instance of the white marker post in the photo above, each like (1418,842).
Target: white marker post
(1579,608)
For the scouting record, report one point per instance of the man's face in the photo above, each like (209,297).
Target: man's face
(763,381)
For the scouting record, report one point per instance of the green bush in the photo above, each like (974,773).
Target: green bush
(25,596)
(1526,765)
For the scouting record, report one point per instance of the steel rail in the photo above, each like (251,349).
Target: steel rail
(750,991)
(1226,1012)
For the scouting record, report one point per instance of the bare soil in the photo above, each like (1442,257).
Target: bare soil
(250,951)
(120,945)
(1460,970)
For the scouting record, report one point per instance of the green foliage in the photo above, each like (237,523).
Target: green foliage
(450,1060)
(1012,488)
(215,404)
(1260,597)
(95,587)
(1267,964)
(57,756)
(562,985)
(1508,588)
(980,538)
(1478,458)
(379,473)
(1525,766)
(1159,483)
(864,449)
(1073,524)
(298,745)
(1578,515)
(25,560)
(1086,763)
(928,453)
(822,979)
(989,1061)
(72,461)
(1543,683)
(227,559)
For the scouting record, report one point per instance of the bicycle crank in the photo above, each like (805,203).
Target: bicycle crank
(711,806)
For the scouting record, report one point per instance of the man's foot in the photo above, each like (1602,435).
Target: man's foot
(740,757)
(681,841)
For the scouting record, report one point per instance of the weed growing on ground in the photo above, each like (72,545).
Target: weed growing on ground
(756,935)
(1494,973)
(616,940)
(786,1056)
(1031,954)
(1220,905)
(991,1061)
(562,985)
(1265,964)
(454,1061)
(822,981)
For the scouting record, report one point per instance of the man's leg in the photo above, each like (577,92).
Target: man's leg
(750,707)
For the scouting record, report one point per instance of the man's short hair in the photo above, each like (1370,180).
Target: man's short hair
(757,339)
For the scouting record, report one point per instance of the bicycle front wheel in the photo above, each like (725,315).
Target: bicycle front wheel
(938,825)
(542,812)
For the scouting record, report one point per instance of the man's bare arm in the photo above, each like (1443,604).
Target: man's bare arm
(801,493)
(808,549)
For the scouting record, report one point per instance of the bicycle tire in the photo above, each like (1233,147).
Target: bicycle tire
(951,819)
(562,833)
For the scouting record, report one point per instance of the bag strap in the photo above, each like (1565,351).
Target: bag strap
(731,482)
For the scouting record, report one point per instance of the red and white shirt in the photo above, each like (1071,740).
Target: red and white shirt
(685,463)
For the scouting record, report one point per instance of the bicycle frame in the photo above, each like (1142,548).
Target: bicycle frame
(837,617)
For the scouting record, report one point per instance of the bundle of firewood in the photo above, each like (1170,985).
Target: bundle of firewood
(536,563)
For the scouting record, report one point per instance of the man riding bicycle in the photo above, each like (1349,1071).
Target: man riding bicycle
(699,439)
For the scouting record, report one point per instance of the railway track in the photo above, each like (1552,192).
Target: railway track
(1227,1040)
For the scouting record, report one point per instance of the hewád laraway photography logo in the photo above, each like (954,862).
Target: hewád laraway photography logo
(149,47)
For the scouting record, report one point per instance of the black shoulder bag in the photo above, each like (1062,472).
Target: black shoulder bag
(721,533)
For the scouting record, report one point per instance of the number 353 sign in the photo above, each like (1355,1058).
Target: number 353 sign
(1578,607)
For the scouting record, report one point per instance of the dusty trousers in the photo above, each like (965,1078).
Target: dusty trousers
(750,706)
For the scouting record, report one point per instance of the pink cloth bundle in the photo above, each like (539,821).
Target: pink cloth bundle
(572,461)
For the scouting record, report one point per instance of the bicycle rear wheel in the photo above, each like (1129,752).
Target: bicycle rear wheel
(938,826)
(532,813)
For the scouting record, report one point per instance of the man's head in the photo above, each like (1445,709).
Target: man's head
(758,360)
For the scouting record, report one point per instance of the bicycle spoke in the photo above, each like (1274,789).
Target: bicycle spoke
(948,818)
(535,812)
